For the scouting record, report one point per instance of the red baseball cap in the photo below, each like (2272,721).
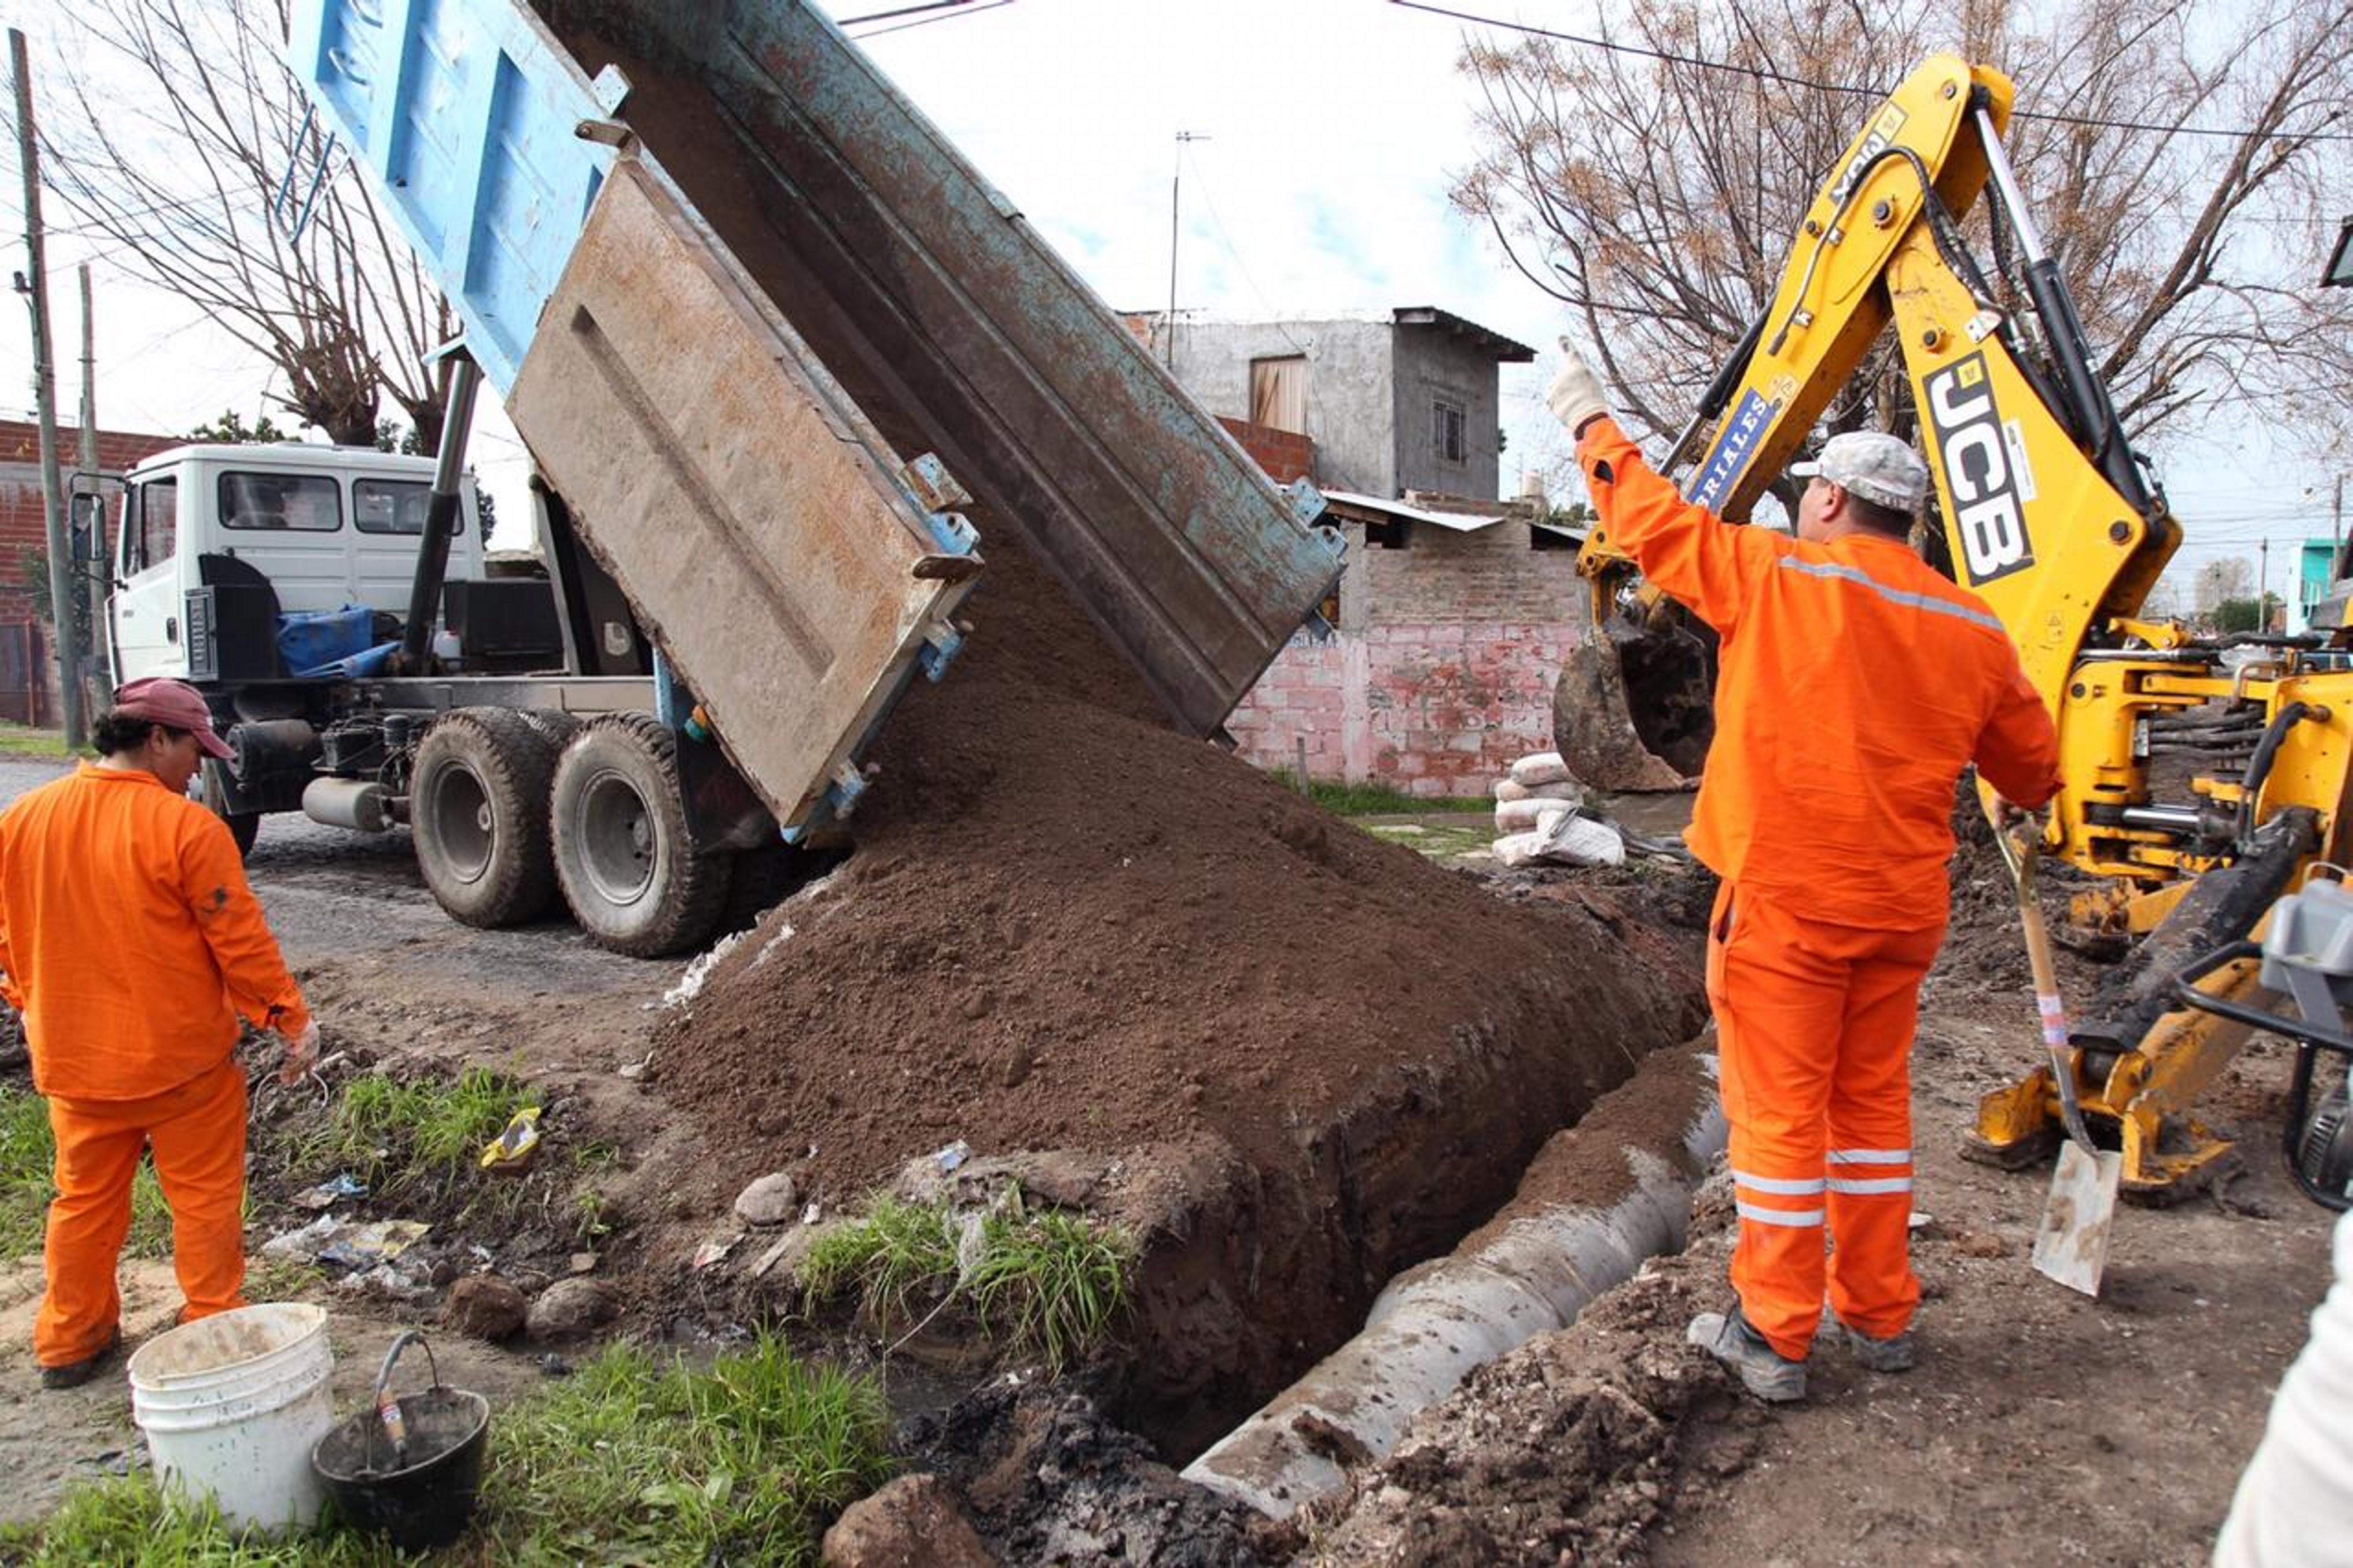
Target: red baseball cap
(164,700)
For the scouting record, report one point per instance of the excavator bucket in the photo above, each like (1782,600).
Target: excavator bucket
(1634,710)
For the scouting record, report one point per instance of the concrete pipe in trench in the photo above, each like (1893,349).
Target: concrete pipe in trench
(1598,1200)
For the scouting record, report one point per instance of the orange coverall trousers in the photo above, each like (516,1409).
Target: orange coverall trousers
(198,1131)
(1814,1026)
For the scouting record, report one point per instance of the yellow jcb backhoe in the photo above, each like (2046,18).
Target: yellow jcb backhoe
(2203,777)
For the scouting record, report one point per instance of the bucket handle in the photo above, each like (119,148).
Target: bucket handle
(388,1421)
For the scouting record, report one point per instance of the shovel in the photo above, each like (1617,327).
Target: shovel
(2070,1245)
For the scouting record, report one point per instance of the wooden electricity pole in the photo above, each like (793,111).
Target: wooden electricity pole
(45,400)
(96,573)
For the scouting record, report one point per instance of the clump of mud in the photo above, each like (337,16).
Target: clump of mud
(1047,1480)
(1566,1450)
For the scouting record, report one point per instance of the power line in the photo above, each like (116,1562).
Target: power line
(1764,73)
(954,8)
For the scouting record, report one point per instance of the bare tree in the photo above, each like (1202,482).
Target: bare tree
(1652,186)
(181,125)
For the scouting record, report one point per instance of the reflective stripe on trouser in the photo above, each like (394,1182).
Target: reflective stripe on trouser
(198,1131)
(1814,1026)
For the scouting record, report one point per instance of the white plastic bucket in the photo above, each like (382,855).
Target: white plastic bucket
(231,1405)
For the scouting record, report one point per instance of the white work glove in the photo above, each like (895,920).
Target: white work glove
(1575,396)
(301,1054)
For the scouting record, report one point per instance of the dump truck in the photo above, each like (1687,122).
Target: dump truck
(785,365)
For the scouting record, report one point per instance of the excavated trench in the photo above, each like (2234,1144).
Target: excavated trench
(1290,1059)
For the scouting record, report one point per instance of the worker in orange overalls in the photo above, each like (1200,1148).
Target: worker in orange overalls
(131,943)
(1854,684)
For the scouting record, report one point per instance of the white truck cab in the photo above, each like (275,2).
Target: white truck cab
(318,527)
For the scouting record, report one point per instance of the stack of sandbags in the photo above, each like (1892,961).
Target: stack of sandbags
(1538,814)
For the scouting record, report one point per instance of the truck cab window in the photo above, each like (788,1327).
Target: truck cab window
(298,503)
(155,531)
(395,506)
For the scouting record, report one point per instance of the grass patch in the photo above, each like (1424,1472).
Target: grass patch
(1376,799)
(417,1140)
(28,1154)
(17,740)
(635,1458)
(1049,1283)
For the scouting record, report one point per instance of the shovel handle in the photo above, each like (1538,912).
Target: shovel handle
(2019,852)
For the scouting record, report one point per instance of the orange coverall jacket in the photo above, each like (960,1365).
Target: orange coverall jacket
(1854,682)
(129,938)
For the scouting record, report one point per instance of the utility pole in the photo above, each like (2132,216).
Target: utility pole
(96,573)
(2263,584)
(45,398)
(1175,183)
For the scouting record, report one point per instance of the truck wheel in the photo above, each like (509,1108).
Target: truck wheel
(629,870)
(478,807)
(244,826)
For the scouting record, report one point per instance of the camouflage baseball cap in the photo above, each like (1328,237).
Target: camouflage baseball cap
(1875,466)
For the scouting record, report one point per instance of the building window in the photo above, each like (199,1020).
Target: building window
(1447,432)
(1278,394)
(1389,533)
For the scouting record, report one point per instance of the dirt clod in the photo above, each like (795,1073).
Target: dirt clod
(486,1307)
(912,1522)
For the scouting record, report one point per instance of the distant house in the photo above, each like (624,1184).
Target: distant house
(1457,605)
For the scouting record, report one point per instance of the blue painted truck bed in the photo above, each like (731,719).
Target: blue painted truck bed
(806,212)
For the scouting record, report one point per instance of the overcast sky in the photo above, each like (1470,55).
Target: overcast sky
(1332,128)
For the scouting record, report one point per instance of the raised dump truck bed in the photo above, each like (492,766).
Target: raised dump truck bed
(731,284)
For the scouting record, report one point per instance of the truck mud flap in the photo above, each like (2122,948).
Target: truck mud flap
(747,509)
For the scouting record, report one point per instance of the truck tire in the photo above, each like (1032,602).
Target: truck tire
(631,870)
(244,826)
(478,810)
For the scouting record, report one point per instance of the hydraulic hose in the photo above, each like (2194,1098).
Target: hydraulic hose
(2259,766)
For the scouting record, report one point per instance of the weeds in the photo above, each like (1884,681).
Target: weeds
(635,1458)
(1050,1283)
(1368,799)
(17,740)
(431,1123)
(29,1153)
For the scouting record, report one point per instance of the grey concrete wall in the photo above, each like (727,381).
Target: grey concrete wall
(1434,365)
(1350,413)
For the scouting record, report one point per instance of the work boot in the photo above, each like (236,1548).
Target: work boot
(74,1374)
(1764,1370)
(1897,1352)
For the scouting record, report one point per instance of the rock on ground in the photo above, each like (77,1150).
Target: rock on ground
(568,1307)
(913,1522)
(771,1200)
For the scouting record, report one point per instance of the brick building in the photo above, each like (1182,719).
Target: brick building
(28,670)
(1454,615)
(1453,619)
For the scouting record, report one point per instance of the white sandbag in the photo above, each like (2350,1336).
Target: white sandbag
(1523,816)
(1543,768)
(1561,837)
(1565,790)
(1510,789)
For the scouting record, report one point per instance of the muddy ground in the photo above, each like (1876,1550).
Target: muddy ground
(2039,1426)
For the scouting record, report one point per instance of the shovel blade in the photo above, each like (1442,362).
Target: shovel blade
(2071,1244)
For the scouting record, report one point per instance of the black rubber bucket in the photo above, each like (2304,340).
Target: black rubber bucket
(416,1491)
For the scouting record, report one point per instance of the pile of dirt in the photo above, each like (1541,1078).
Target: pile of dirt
(1066,927)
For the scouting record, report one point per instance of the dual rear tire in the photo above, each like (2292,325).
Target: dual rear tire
(509,808)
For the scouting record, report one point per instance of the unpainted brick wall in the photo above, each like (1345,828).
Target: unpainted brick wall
(23,525)
(1442,672)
